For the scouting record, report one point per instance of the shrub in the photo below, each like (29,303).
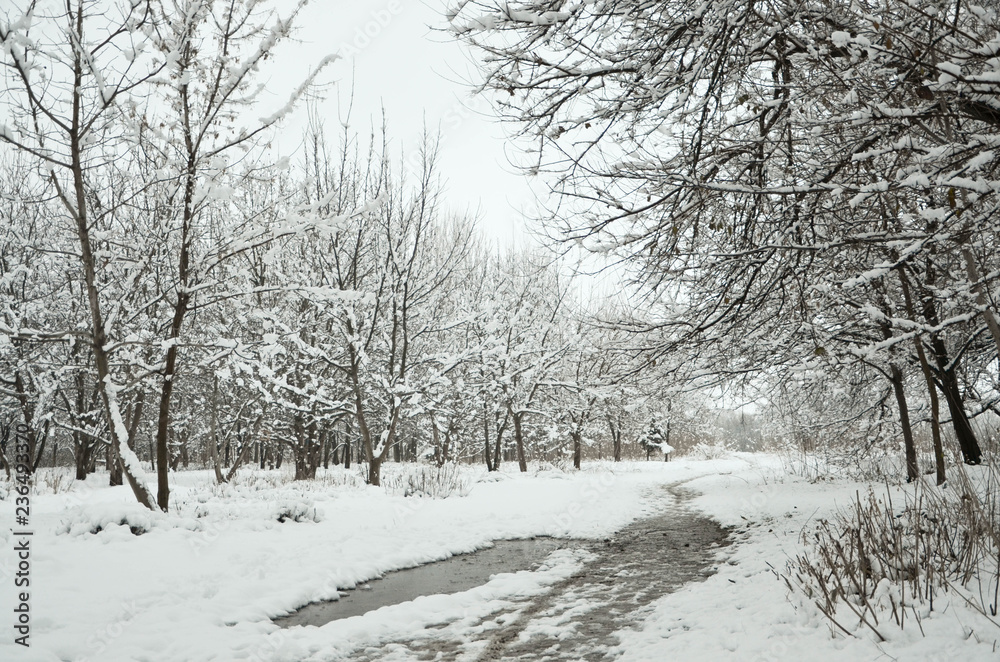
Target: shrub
(422,480)
(297,512)
(882,562)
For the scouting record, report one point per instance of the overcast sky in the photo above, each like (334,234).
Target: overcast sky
(399,56)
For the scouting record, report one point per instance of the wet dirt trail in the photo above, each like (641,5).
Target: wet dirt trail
(577,618)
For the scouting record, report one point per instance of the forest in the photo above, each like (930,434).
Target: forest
(174,298)
(797,201)
(803,204)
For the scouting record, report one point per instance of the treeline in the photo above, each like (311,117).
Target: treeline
(381,329)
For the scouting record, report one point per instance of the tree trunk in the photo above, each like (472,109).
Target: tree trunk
(488,454)
(3,448)
(436,441)
(367,443)
(213,443)
(244,451)
(348,442)
(925,369)
(325,444)
(616,439)
(124,456)
(973,274)
(522,462)
(971,453)
(498,448)
(307,452)
(81,454)
(185,457)
(28,414)
(896,378)
(300,449)
(163,417)
(577,449)
(375,471)
(84,445)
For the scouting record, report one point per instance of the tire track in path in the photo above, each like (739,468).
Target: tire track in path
(577,618)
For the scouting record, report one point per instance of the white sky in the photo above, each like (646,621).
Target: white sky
(416,72)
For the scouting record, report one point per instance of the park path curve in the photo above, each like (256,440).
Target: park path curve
(578,617)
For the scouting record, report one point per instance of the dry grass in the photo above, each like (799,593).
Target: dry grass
(885,563)
(426,481)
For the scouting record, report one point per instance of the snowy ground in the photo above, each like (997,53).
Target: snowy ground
(743,611)
(204,582)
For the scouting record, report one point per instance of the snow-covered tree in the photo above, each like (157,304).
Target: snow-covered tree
(768,171)
(95,89)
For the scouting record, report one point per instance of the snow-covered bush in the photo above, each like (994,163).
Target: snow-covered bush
(258,480)
(96,518)
(558,465)
(883,562)
(57,480)
(297,511)
(426,481)
(712,451)
(339,477)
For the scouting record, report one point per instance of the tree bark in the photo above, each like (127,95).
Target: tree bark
(498,448)
(375,471)
(163,417)
(213,421)
(83,448)
(439,452)
(616,439)
(971,453)
(896,378)
(306,450)
(114,467)
(487,453)
(522,462)
(28,415)
(925,369)
(973,274)
(898,390)
(325,444)
(348,443)
(245,447)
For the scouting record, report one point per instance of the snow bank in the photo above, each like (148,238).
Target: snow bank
(744,611)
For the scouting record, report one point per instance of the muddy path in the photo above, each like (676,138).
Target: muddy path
(578,617)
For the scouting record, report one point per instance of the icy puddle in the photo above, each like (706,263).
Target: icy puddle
(459,573)
(579,618)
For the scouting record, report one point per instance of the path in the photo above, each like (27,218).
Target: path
(577,618)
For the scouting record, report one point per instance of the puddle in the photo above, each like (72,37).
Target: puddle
(458,573)
(578,619)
